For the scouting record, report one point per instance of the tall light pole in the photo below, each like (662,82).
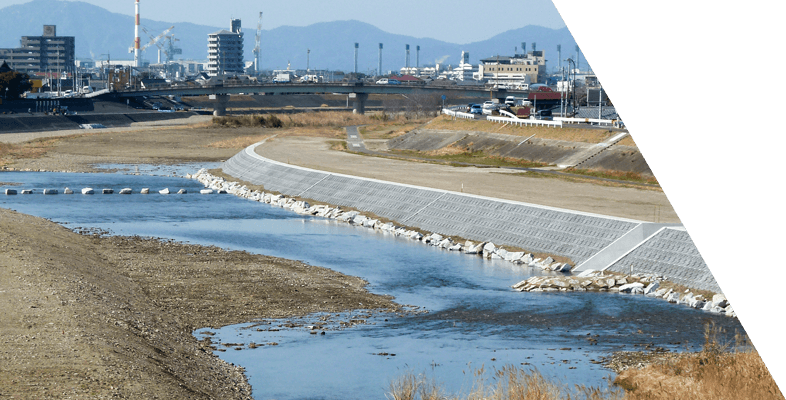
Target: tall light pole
(572,83)
(108,64)
(308,59)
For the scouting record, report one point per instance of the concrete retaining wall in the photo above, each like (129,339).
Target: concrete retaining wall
(534,228)
(669,252)
(38,123)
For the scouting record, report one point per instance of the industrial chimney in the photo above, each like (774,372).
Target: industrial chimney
(406,60)
(356,57)
(379,68)
(137,61)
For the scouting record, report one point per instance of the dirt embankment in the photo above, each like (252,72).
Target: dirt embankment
(86,316)
(524,145)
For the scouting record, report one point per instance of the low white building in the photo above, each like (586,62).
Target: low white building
(513,72)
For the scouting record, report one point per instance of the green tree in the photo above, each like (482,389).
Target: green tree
(16,83)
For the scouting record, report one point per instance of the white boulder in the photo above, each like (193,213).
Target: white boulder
(628,287)
(719,300)
(651,288)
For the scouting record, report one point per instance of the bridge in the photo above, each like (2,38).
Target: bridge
(358,91)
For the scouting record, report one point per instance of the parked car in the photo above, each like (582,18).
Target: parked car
(476,109)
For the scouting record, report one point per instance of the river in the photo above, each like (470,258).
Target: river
(467,315)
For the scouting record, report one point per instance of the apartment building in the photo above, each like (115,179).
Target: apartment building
(225,51)
(47,53)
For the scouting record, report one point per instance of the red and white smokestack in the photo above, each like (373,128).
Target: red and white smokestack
(137,60)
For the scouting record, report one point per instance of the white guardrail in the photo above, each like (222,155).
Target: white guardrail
(557,122)
(524,122)
(585,121)
(458,114)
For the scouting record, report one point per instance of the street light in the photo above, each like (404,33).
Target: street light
(107,65)
(573,84)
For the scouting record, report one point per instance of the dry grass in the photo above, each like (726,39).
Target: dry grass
(390,128)
(457,156)
(711,374)
(32,149)
(298,120)
(618,175)
(567,133)
(508,383)
(714,373)
(581,179)
(238,142)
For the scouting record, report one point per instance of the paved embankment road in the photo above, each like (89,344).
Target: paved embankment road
(624,202)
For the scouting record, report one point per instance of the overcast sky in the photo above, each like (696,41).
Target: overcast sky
(450,21)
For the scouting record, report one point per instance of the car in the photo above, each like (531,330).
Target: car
(476,109)
(383,81)
(544,115)
(489,107)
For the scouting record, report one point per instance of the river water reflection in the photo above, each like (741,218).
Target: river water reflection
(474,318)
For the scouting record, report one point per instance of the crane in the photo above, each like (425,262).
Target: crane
(258,43)
(167,46)
(153,41)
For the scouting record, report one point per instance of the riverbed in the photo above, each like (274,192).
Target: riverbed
(470,317)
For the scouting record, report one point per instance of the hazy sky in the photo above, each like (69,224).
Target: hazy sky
(451,21)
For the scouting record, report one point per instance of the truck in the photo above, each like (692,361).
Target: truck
(311,79)
(282,78)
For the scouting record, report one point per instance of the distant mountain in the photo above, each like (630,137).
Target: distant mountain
(99,32)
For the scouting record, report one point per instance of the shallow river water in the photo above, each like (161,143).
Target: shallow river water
(473,317)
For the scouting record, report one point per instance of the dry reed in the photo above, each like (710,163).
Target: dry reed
(508,383)
(717,372)
(714,373)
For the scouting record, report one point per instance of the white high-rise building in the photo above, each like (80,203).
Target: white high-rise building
(225,51)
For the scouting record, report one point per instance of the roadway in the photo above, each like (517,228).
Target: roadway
(358,91)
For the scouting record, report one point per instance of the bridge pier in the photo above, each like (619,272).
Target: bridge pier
(360,102)
(220,104)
